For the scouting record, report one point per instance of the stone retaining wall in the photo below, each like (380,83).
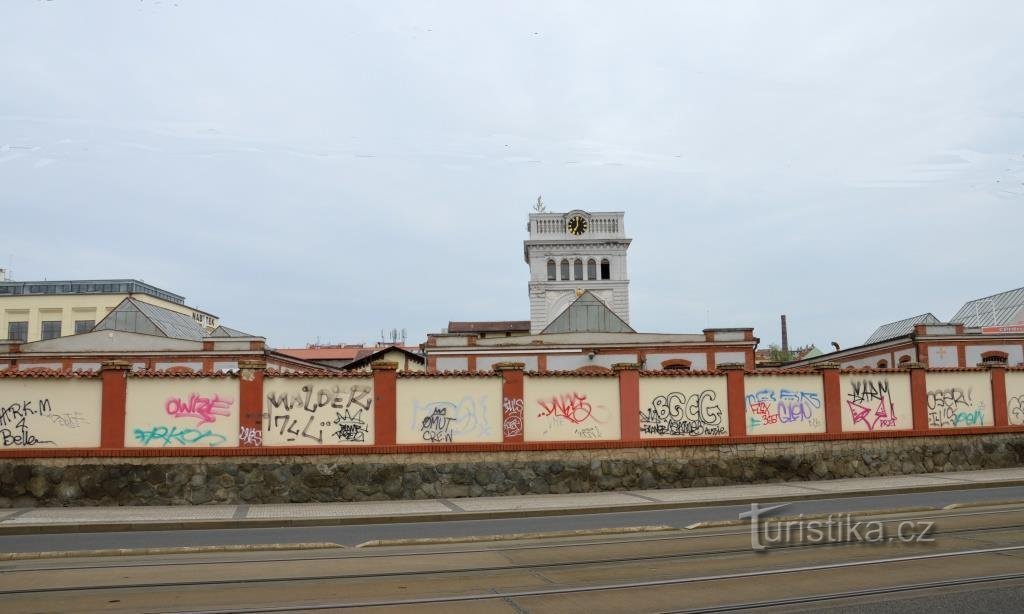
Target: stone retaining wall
(301,479)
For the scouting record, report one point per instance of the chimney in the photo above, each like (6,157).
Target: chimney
(785,336)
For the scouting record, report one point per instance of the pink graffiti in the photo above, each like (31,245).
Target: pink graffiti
(572,407)
(205,408)
(872,416)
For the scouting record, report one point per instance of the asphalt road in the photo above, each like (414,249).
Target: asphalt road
(355,534)
(973,561)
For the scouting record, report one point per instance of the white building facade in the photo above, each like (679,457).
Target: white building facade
(571,252)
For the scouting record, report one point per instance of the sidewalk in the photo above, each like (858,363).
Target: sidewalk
(92,519)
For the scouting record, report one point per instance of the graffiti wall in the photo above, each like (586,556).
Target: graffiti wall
(50,413)
(1015,397)
(959,399)
(315,412)
(571,408)
(876,402)
(449,410)
(683,407)
(175,412)
(777,405)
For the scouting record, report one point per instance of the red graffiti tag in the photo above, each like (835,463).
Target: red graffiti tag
(572,407)
(205,408)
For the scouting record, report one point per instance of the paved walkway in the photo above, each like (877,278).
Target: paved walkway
(46,520)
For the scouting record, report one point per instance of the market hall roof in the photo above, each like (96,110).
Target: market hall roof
(135,316)
(996,310)
(900,328)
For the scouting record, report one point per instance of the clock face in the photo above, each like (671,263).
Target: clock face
(577,225)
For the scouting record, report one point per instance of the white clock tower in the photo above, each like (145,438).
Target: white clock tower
(573,251)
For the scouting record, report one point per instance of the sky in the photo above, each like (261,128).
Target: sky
(320,171)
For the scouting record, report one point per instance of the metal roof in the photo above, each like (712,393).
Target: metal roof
(996,310)
(900,328)
(135,316)
(587,314)
(224,331)
(88,286)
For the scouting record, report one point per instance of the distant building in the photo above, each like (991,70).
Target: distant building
(149,338)
(40,310)
(571,251)
(579,311)
(987,327)
(358,356)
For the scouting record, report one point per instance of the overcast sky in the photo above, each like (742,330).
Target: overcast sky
(323,170)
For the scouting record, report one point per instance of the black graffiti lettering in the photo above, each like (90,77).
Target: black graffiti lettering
(278,414)
(868,390)
(356,396)
(350,427)
(677,414)
(437,427)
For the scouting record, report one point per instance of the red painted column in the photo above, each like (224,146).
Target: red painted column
(250,403)
(629,400)
(833,397)
(918,395)
(385,396)
(513,417)
(1000,411)
(737,395)
(114,375)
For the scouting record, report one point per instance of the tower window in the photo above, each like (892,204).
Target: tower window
(606,269)
(577,269)
(591,269)
(551,270)
(565,269)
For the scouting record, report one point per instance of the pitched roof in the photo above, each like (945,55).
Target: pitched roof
(497,326)
(135,316)
(587,314)
(900,328)
(342,353)
(224,331)
(996,310)
(337,353)
(379,352)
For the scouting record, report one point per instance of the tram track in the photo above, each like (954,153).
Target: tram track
(497,547)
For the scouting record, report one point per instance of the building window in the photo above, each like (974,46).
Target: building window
(17,331)
(50,329)
(84,326)
(882,364)
(591,269)
(551,270)
(565,269)
(606,269)
(577,269)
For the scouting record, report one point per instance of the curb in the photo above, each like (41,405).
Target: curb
(61,554)
(420,541)
(245,523)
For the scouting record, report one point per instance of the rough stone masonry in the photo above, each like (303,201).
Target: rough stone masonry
(302,479)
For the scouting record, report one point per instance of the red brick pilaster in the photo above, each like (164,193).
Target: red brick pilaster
(250,403)
(833,397)
(629,400)
(513,416)
(385,396)
(918,395)
(114,376)
(542,362)
(737,395)
(1000,411)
